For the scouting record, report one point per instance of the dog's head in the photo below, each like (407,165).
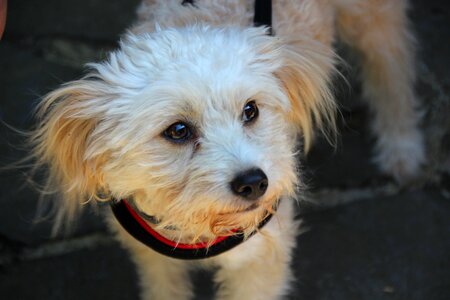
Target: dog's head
(198,125)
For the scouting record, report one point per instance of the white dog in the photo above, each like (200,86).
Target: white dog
(190,128)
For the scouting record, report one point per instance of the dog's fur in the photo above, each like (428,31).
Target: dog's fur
(102,135)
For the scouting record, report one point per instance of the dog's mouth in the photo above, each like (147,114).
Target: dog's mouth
(251,207)
(247,209)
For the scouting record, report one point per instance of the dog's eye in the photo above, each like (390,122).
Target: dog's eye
(178,132)
(250,112)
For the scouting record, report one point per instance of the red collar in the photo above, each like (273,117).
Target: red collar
(135,225)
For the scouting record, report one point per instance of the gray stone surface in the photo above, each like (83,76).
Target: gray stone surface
(382,248)
(95,20)
(348,163)
(365,237)
(100,273)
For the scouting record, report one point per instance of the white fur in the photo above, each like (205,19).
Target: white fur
(102,136)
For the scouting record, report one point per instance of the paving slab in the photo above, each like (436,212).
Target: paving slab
(430,21)
(392,247)
(97,20)
(101,273)
(348,162)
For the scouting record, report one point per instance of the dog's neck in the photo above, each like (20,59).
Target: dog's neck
(173,232)
(143,232)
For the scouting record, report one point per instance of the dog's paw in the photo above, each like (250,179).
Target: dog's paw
(402,157)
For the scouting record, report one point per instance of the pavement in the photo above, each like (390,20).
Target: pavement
(364,237)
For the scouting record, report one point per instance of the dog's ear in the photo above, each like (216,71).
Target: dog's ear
(304,76)
(67,118)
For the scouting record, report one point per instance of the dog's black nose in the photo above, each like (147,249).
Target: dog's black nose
(250,184)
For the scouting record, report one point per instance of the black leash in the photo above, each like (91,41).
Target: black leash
(262,17)
(263,14)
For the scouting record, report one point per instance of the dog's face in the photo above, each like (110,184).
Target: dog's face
(197,125)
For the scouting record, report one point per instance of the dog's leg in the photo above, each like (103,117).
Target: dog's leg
(265,276)
(161,278)
(378,31)
(259,269)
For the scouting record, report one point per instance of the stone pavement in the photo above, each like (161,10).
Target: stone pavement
(365,238)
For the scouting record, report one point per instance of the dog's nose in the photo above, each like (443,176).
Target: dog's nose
(250,184)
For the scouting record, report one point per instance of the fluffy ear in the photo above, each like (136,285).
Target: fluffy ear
(67,117)
(305,77)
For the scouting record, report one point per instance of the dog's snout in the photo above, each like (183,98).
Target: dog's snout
(250,184)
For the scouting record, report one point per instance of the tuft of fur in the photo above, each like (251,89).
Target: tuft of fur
(60,142)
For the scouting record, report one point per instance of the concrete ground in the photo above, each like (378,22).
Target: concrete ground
(365,238)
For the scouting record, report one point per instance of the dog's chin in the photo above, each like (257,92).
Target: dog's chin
(249,208)
(259,207)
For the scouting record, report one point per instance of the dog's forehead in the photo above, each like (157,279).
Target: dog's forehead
(216,54)
(201,67)
(213,60)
